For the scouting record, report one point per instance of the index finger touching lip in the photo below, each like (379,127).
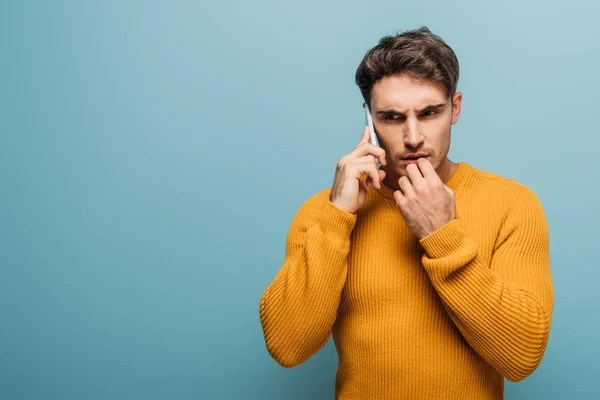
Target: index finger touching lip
(426,169)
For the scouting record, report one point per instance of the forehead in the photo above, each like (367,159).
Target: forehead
(404,92)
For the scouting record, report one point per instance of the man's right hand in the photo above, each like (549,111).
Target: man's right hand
(349,191)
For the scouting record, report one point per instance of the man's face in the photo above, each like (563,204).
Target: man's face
(404,125)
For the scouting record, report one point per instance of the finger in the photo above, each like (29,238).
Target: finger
(406,186)
(368,170)
(364,149)
(363,159)
(366,160)
(414,174)
(381,176)
(381,155)
(427,170)
(365,136)
(366,182)
(364,185)
(398,196)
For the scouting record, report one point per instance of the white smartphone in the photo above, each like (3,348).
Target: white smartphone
(373,134)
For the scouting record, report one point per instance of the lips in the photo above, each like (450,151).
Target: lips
(415,156)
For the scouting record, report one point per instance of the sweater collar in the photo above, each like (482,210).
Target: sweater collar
(462,169)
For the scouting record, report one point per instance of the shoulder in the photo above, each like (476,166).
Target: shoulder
(513,199)
(517,192)
(521,205)
(512,189)
(317,199)
(310,209)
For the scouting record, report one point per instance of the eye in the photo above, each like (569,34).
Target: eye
(391,117)
(430,111)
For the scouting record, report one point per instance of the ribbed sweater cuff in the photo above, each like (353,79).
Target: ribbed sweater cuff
(447,240)
(336,222)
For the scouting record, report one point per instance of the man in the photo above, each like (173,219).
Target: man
(433,276)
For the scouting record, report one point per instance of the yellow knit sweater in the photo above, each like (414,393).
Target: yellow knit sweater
(444,317)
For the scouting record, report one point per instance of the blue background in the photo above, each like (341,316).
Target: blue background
(154,154)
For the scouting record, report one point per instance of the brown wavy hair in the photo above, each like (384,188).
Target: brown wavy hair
(418,53)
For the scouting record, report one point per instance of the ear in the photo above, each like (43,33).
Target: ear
(456,107)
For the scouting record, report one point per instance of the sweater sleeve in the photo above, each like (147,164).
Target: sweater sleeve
(504,309)
(298,309)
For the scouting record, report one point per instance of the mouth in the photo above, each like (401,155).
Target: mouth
(412,160)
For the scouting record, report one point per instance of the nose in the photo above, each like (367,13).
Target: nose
(412,137)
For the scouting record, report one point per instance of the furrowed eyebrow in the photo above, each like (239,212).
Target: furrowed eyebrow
(387,111)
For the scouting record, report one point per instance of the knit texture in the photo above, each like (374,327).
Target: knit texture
(445,317)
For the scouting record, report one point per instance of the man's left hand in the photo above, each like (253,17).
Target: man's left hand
(424,201)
